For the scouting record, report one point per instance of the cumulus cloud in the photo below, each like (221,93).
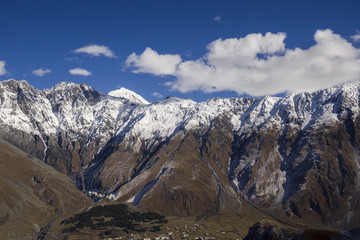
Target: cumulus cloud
(80,71)
(157,95)
(152,62)
(356,37)
(41,72)
(261,65)
(2,68)
(96,50)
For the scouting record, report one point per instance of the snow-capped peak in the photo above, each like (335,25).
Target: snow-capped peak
(126,93)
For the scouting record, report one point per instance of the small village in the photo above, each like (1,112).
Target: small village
(176,232)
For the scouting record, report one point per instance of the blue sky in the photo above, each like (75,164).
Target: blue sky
(191,49)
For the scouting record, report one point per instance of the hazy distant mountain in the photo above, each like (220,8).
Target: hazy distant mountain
(295,157)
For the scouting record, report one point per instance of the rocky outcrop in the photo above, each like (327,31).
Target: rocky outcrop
(271,231)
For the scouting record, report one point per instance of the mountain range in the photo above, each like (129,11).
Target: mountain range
(295,158)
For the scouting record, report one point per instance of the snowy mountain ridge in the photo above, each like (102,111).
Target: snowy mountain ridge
(80,109)
(271,151)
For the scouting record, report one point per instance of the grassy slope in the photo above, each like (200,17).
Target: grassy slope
(32,193)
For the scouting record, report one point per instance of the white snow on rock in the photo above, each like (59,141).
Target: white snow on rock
(79,111)
(127,94)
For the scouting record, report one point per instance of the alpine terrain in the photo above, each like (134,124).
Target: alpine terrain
(295,158)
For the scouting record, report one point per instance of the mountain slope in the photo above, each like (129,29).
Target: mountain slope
(295,157)
(32,193)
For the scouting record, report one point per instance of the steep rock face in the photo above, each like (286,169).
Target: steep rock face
(64,126)
(184,176)
(184,173)
(22,124)
(296,156)
(306,165)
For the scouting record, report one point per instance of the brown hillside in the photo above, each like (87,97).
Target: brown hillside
(32,193)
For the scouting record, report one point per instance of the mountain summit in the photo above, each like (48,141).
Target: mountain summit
(295,157)
(125,93)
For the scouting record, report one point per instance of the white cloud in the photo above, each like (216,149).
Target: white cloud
(356,37)
(152,62)
(41,72)
(96,50)
(80,71)
(244,51)
(217,18)
(261,65)
(2,68)
(157,95)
